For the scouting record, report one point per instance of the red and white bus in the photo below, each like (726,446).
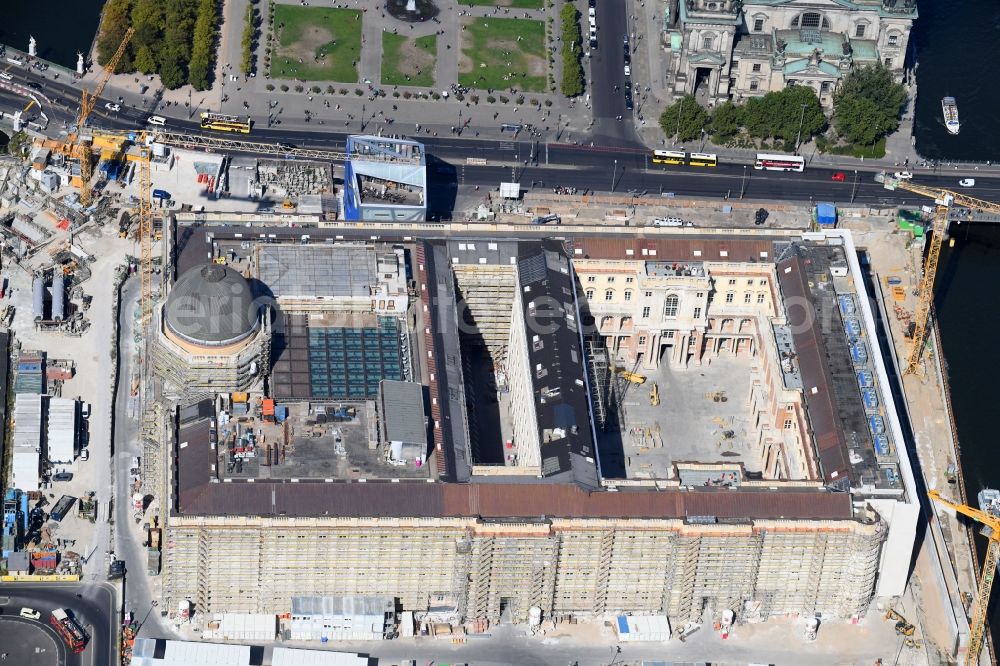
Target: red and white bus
(779,162)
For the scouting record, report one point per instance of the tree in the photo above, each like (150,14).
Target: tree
(144,60)
(572,53)
(777,115)
(172,73)
(114,23)
(685,118)
(201,46)
(860,121)
(727,119)
(868,104)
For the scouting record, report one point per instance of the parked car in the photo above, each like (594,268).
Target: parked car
(113,107)
(902,175)
(85,454)
(839,176)
(85,410)
(967,182)
(62,476)
(30,613)
(34,86)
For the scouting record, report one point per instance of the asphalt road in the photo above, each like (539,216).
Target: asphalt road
(94,605)
(607,70)
(616,163)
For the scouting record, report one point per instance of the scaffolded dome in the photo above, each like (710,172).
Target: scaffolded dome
(211,306)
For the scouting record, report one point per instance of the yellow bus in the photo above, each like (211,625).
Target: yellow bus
(669,156)
(224,123)
(702,160)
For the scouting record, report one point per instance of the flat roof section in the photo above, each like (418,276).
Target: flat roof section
(316,441)
(703,417)
(403,417)
(317,271)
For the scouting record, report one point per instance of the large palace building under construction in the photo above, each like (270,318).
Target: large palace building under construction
(682,423)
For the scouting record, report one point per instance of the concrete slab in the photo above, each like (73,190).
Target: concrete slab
(702,417)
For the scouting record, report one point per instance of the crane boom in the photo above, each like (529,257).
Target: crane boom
(89,99)
(977,625)
(944,199)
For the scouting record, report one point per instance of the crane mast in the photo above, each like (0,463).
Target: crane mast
(87,101)
(977,626)
(944,200)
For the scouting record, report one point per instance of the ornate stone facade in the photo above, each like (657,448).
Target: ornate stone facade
(726,49)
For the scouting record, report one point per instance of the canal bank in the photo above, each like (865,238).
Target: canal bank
(966,315)
(944,568)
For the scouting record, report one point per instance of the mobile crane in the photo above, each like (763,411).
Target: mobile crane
(944,200)
(991,528)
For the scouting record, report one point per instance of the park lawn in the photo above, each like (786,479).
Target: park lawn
(519,4)
(326,40)
(485,41)
(405,57)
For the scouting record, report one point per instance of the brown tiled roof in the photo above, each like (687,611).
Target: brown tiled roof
(811,356)
(199,494)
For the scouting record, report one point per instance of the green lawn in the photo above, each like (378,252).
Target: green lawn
(488,44)
(404,57)
(521,4)
(316,43)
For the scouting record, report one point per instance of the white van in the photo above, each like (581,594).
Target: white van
(156,120)
(6,77)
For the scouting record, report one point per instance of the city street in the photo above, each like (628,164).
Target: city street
(93,605)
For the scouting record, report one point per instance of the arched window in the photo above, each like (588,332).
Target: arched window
(811,20)
(670,305)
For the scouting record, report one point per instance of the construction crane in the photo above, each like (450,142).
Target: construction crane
(991,528)
(143,141)
(87,101)
(944,200)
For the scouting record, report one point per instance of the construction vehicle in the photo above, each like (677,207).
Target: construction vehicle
(633,377)
(654,395)
(991,529)
(903,628)
(69,630)
(944,199)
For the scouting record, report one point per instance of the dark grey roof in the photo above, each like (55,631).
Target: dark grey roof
(211,305)
(555,356)
(403,414)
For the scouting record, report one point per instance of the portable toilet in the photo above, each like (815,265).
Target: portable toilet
(826,215)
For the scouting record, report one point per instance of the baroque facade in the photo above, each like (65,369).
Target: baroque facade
(727,49)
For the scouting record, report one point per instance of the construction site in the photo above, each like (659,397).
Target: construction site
(678,487)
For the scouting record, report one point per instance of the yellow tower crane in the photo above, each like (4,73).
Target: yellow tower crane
(944,200)
(143,140)
(991,528)
(87,101)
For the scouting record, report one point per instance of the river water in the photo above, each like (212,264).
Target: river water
(61,27)
(949,63)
